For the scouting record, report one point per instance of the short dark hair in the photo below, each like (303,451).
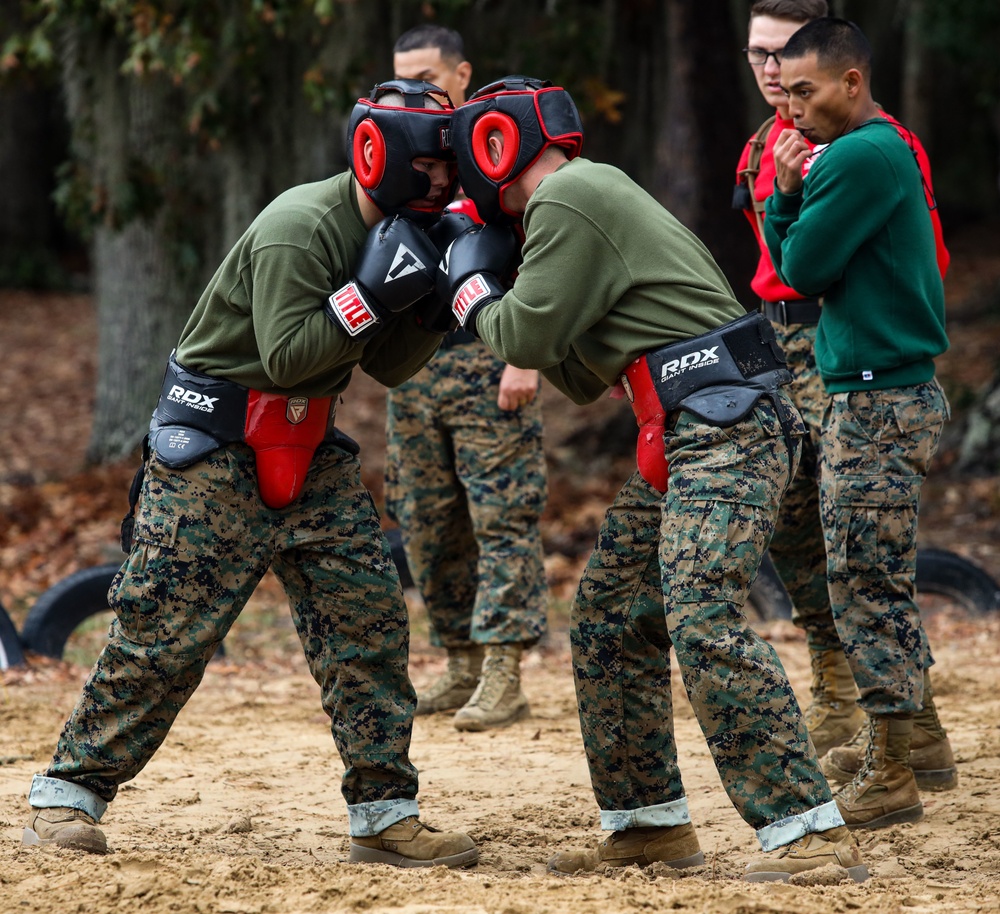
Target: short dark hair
(792,10)
(447,41)
(837,44)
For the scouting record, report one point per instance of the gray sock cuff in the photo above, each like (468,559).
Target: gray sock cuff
(48,792)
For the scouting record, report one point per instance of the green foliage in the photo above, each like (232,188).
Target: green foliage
(217,53)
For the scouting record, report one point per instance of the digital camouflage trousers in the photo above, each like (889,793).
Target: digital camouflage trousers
(675,572)
(797,549)
(203,540)
(466,482)
(878,446)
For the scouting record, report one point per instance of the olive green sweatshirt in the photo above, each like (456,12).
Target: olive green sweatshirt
(608,274)
(860,235)
(260,322)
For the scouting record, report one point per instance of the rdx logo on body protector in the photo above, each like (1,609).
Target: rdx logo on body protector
(698,359)
(192,399)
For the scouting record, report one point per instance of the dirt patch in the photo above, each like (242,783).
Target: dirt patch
(241,812)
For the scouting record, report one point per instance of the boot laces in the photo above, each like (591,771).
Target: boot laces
(492,685)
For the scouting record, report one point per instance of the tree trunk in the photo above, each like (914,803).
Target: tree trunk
(126,134)
(980,451)
(700,141)
(31,144)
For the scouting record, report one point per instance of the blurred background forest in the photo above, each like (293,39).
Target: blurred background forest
(137,140)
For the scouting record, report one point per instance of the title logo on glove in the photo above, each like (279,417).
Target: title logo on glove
(351,310)
(472,291)
(404,262)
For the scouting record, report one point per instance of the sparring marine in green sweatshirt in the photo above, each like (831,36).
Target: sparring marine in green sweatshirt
(608,275)
(260,322)
(859,234)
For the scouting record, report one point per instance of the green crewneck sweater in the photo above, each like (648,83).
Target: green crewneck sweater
(608,274)
(261,322)
(860,235)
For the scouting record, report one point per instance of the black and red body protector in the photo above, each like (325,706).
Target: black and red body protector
(531,115)
(197,414)
(717,376)
(398,136)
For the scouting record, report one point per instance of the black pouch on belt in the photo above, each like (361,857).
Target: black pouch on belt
(195,415)
(719,376)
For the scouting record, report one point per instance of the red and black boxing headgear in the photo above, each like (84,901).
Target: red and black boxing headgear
(398,136)
(531,114)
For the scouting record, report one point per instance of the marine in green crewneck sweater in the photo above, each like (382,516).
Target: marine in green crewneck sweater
(859,234)
(857,230)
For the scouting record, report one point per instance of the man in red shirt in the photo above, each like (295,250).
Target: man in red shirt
(797,549)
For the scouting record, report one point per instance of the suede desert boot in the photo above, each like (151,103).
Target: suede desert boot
(833,847)
(411,843)
(884,792)
(456,685)
(833,716)
(64,827)
(498,700)
(675,845)
(931,758)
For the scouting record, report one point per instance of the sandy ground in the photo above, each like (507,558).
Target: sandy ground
(240,812)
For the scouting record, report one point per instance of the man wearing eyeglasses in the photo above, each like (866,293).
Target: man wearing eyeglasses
(797,549)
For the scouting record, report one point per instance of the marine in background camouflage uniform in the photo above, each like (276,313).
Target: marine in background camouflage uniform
(469,488)
(797,548)
(857,229)
(465,481)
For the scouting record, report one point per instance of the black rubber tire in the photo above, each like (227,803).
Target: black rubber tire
(943,572)
(939,571)
(79,596)
(61,608)
(10,644)
(395,538)
(768,597)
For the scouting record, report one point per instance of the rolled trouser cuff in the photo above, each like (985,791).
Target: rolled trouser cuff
(791,828)
(368,819)
(47,793)
(663,815)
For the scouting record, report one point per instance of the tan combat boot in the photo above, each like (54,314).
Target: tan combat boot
(884,792)
(64,827)
(455,686)
(833,716)
(931,758)
(675,845)
(833,847)
(498,700)
(411,843)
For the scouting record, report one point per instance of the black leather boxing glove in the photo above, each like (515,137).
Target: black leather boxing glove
(448,228)
(395,268)
(434,310)
(476,269)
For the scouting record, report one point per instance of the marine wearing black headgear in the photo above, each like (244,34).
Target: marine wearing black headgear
(398,136)
(532,115)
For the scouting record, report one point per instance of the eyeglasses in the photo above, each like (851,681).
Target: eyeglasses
(757,57)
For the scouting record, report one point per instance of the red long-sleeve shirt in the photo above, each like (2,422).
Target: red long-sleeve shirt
(765,281)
